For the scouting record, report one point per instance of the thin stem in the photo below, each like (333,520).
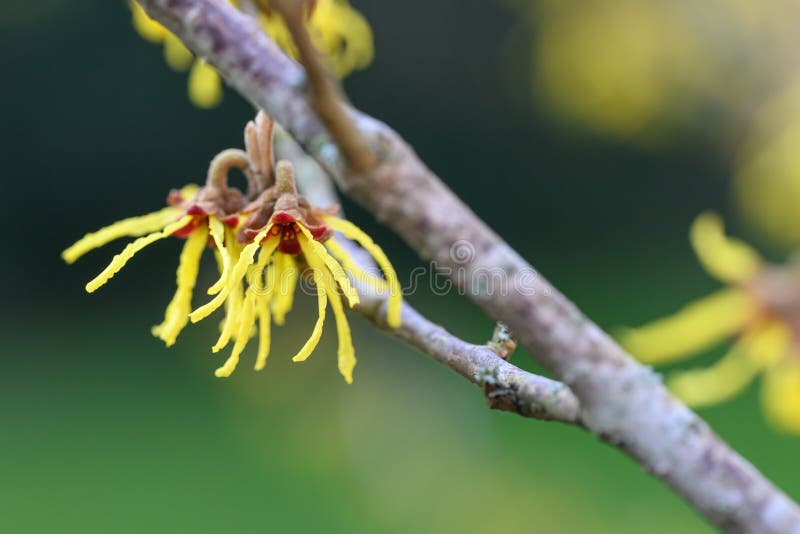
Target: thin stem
(231,158)
(325,95)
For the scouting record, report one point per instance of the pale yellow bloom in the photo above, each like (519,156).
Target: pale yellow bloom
(758,311)
(628,68)
(338,31)
(261,239)
(174,220)
(767,180)
(270,268)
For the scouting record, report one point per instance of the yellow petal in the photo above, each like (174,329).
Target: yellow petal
(316,248)
(231,326)
(351,231)
(146,27)
(243,336)
(346,353)
(177,314)
(725,258)
(322,301)
(718,383)
(274,26)
(262,308)
(233,314)
(237,273)
(780,394)
(205,85)
(697,327)
(342,35)
(217,230)
(263,332)
(189,191)
(263,298)
(338,252)
(756,350)
(129,251)
(287,274)
(177,56)
(131,227)
(769,343)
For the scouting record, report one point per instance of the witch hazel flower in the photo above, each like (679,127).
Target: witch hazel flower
(757,312)
(264,240)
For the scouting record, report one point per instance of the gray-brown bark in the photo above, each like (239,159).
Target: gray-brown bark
(621,401)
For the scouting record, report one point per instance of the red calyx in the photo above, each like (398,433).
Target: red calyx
(188,229)
(231,221)
(195,209)
(174,198)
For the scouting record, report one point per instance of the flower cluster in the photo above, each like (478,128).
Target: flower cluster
(760,310)
(338,31)
(264,240)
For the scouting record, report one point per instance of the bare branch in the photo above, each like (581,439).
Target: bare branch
(621,401)
(506,387)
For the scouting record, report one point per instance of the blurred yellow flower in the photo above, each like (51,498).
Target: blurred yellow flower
(650,71)
(619,67)
(269,220)
(338,31)
(760,310)
(767,179)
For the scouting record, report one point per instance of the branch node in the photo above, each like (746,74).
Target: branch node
(502,342)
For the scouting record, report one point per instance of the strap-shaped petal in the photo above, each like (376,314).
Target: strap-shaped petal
(263,298)
(237,273)
(351,231)
(233,315)
(314,247)
(780,394)
(697,327)
(725,258)
(130,227)
(177,314)
(322,301)
(246,324)
(286,276)
(346,352)
(763,347)
(718,383)
(217,230)
(264,320)
(129,251)
(338,252)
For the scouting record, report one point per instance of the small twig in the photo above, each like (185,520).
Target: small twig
(502,342)
(506,387)
(326,99)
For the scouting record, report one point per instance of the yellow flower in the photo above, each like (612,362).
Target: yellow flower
(626,68)
(759,310)
(338,31)
(767,181)
(270,221)
(297,233)
(186,218)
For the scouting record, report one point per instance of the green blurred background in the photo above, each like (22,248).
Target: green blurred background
(106,430)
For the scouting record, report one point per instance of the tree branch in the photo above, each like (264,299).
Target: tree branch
(621,401)
(506,386)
